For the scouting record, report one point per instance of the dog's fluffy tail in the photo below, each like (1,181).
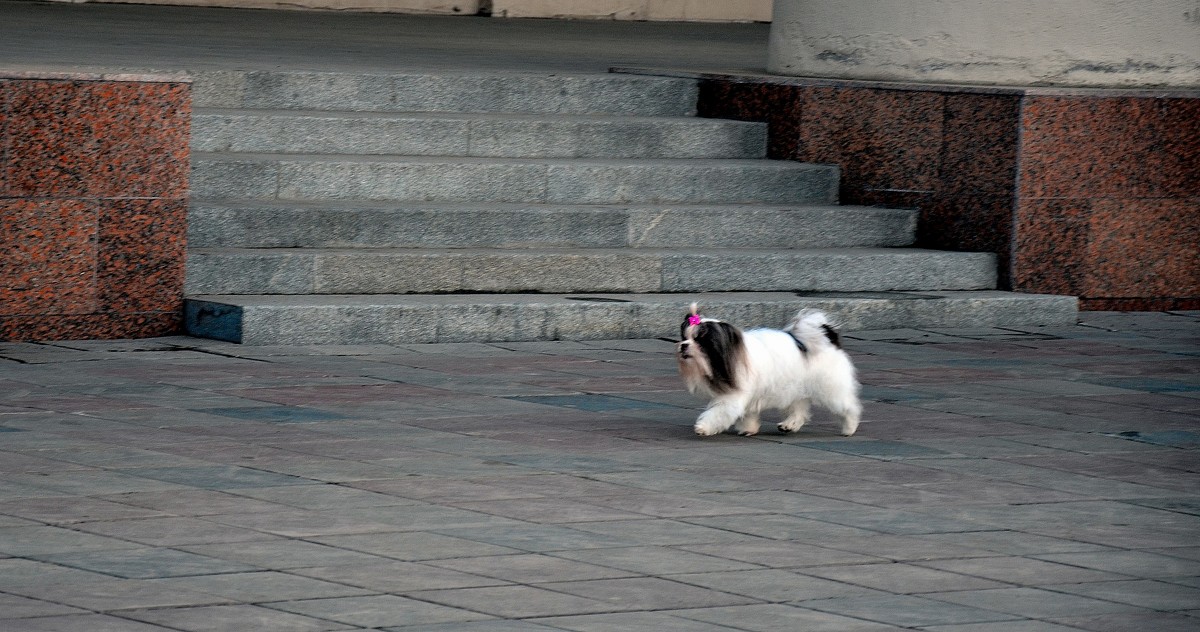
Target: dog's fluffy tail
(813,328)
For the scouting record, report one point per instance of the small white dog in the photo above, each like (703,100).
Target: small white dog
(744,373)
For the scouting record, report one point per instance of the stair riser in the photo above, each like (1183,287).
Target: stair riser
(554,318)
(493,138)
(690,228)
(582,94)
(584,271)
(553,183)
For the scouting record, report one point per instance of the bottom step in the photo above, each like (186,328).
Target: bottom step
(410,319)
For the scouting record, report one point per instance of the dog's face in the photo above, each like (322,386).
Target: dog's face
(709,354)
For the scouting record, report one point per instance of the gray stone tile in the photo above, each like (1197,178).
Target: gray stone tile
(1033,603)
(172,531)
(86,623)
(281,554)
(1023,570)
(1133,563)
(417,546)
(146,563)
(259,587)
(530,568)
(774,554)
(631,622)
(378,611)
(907,610)
(44,540)
(1027,625)
(648,593)
(218,477)
(1008,543)
(655,560)
(905,579)
(491,625)
(1144,593)
(653,532)
(774,585)
(1132,622)
(17,607)
(781,618)
(398,577)
(234,619)
(111,595)
(514,602)
(535,538)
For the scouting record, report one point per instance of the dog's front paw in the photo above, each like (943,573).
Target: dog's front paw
(704,430)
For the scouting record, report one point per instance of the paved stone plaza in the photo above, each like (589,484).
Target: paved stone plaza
(1032,479)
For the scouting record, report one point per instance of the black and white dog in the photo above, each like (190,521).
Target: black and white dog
(746,372)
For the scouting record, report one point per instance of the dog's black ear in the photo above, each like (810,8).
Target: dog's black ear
(832,335)
(723,346)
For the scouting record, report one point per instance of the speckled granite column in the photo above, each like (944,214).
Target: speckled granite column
(1085,192)
(93,205)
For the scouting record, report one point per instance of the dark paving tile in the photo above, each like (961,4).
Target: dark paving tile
(592,403)
(531,568)
(146,563)
(903,579)
(109,595)
(773,585)
(907,611)
(274,414)
(397,577)
(779,617)
(241,617)
(378,611)
(513,601)
(218,477)
(1034,603)
(648,593)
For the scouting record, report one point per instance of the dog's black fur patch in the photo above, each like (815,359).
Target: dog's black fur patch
(833,336)
(722,345)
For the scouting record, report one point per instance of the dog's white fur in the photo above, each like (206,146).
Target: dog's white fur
(745,373)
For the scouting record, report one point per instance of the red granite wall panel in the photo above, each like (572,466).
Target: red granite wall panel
(1082,192)
(93,198)
(1129,168)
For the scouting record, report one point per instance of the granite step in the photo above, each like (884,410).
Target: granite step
(480,135)
(644,270)
(353,224)
(410,319)
(550,181)
(446,92)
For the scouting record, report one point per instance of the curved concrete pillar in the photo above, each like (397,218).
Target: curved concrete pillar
(1116,43)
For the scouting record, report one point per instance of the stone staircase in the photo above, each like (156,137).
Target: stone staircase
(408,208)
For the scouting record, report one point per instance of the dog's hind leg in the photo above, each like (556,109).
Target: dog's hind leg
(797,417)
(747,426)
(850,410)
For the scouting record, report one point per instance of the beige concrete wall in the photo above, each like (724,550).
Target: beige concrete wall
(673,10)
(677,10)
(435,7)
(1123,43)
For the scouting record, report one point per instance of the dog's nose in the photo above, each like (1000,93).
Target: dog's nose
(683,347)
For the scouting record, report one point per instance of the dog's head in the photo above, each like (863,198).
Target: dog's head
(709,353)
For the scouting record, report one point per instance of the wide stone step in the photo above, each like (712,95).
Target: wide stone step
(550,181)
(409,319)
(350,224)
(647,270)
(446,92)
(482,135)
